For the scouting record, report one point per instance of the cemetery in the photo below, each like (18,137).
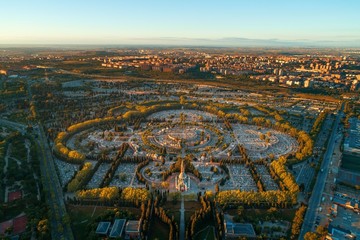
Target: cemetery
(143,151)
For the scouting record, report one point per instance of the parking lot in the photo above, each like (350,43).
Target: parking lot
(347,219)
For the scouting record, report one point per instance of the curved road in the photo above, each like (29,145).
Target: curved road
(17,126)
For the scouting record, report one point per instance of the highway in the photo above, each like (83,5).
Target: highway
(309,219)
(54,194)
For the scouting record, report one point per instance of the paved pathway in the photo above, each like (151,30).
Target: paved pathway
(27,146)
(15,125)
(7,159)
(298,176)
(182,219)
(7,155)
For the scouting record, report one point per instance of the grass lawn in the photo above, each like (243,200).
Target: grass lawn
(81,217)
(187,217)
(174,210)
(205,233)
(21,152)
(205,230)
(158,230)
(254,215)
(12,210)
(190,208)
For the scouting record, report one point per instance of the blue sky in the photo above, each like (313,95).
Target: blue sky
(158,21)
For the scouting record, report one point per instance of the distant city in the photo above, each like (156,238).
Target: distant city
(318,70)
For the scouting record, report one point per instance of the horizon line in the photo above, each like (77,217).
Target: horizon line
(225,42)
(111,45)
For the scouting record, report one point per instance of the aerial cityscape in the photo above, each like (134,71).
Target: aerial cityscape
(180,120)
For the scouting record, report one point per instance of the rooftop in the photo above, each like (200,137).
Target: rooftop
(132,226)
(338,232)
(240,229)
(103,228)
(19,224)
(12,196)
(118,228)
(352,143)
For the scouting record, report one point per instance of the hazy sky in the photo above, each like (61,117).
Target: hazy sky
(158,21)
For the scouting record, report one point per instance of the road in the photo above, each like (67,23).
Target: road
(182,220)
(305,171)
(54,194)
(60,229)
(120,78)
(315,198)
(128,77)
(17,126)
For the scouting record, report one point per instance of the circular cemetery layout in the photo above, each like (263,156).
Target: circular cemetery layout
(166,135)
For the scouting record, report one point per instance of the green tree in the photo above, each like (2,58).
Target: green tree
(66,219)
(240,211)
